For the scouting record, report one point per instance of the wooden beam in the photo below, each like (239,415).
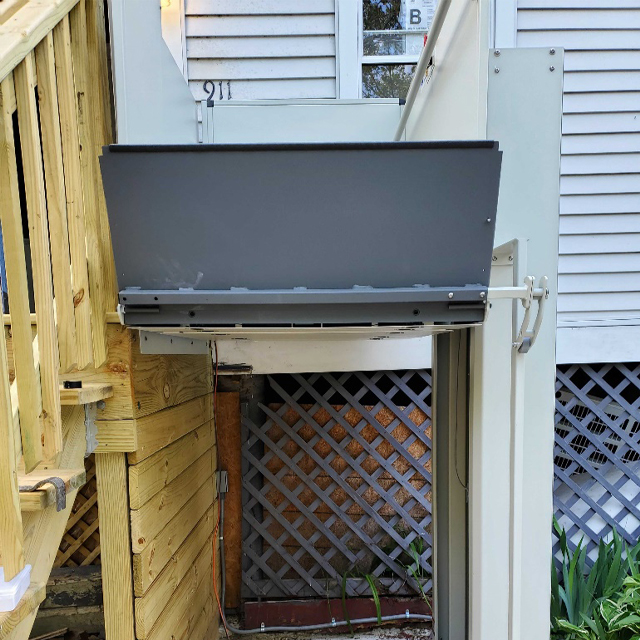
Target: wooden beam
(23,31)
(160,429)
(152,517)
(89,392)
(116,436)
(25,81)
(16,265)
(57,209)
(111,474)
(229,438)
(45,496)
(73,189)
(29,602)
(159,470)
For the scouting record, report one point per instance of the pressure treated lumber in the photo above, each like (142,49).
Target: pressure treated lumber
(11,537)
(73,190)
(16,267)
(161,429)
(116,436)
(43,529)
(89,166)
(111,474)
(23,31)
(57,210)
(155,600)
(151,518)
(157,471)
(99,102)
(190,600)
(25,80)
(148,564)
(89,392)
(144,384)
(45,496)
(29,602)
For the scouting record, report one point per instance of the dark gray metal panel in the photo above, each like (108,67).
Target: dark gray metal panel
(318,216)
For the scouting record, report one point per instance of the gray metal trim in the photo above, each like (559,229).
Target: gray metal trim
(450,489)
(363,305)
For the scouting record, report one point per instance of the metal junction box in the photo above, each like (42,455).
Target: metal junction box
(303,235)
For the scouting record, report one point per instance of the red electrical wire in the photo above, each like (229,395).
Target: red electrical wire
(217,527)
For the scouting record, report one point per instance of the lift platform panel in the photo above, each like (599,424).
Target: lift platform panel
(303,234)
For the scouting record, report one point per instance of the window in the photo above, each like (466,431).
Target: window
(393,34)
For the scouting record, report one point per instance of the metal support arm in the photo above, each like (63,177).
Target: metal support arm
(526,294)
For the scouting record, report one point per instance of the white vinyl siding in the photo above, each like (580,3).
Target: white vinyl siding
(599,279)
(262,49)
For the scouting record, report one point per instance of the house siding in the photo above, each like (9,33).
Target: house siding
(262,49)
(599,264)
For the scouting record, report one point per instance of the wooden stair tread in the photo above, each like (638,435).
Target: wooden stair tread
(29,602)
(46,495)
(89,392)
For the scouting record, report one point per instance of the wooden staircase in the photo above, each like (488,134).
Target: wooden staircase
(55,116)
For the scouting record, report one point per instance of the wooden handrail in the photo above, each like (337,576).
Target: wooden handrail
(55,116)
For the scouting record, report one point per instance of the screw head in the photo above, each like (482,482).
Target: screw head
(450,295)
(488,220)
(482,294)
(552,52)
(552,68)
(496,70)
(496,53)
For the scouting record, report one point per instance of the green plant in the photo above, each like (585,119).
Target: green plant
(370,579)
(596,603)
(416,548)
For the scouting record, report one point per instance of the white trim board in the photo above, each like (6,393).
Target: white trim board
(583,345)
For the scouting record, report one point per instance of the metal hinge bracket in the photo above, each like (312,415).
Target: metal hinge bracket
(91,429)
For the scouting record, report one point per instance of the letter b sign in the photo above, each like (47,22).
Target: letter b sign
(415,17)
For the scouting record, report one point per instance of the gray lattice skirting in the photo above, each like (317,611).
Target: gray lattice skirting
(337,477)
(337,485)
(597,452)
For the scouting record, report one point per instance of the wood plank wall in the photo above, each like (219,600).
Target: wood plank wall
(156,465)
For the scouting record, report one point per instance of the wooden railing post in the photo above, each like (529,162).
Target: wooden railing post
(57,208)
(74,192)
(90,176)
(11,537)
(25,80)
(18,290)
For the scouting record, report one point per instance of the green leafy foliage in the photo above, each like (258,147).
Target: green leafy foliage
(597,603)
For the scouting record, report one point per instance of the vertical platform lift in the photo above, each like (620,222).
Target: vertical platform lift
(494,387)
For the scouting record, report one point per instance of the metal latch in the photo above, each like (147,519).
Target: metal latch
(526,338)
(527,294)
